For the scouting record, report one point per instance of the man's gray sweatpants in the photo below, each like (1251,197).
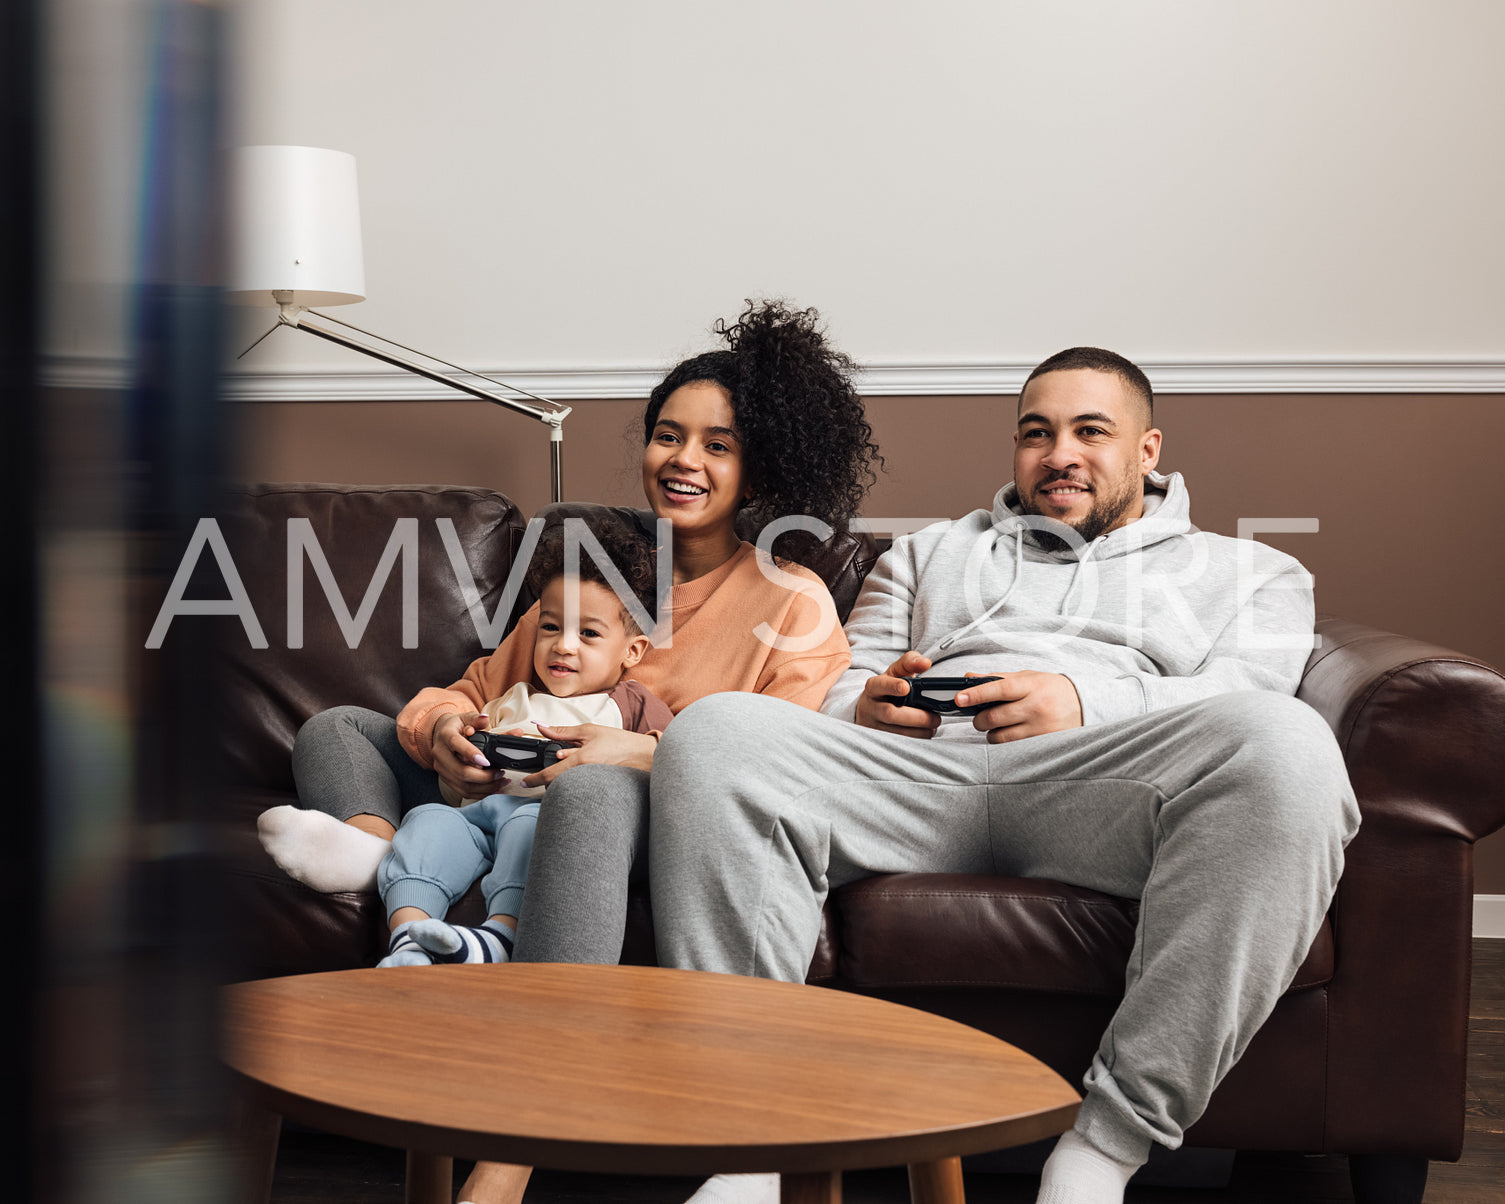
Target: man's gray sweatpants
(1226,818)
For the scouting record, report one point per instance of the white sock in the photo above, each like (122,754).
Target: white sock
(738,1189)
(450,943)
(1077,1172)
(320,851)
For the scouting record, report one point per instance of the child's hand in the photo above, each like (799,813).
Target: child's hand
(594,745)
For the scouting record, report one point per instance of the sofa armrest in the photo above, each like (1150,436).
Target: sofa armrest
(1422,731)
(1422,728)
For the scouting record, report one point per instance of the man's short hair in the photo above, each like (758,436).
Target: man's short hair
(625,546)
(1099,360)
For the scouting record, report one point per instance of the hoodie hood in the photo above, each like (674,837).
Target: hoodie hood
(1167,514)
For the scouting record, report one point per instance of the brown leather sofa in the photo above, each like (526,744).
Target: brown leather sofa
(1364,1055)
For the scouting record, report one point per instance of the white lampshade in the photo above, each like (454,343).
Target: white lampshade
(298,227)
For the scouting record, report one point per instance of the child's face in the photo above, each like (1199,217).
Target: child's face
(589,653)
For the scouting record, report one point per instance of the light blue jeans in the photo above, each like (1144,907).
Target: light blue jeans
(440,850)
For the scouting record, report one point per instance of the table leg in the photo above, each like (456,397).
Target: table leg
(821,1187)
(937,1182)
(431,1178)
(254,1134)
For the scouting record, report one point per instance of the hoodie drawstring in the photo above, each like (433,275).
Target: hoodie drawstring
(992,610)
(1076,577)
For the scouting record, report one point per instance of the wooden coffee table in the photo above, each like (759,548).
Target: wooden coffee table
(632,1070)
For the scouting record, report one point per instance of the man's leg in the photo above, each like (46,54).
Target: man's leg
(1226,818)
(761,806)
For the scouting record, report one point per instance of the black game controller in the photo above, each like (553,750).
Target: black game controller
(528,754)
(938,694)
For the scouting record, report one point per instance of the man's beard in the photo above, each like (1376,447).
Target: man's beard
(1107,510)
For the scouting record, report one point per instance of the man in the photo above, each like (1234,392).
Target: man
(1141,739)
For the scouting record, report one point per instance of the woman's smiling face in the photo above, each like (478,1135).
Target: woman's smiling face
(693,473)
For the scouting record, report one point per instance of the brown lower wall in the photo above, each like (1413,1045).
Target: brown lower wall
(1406,489)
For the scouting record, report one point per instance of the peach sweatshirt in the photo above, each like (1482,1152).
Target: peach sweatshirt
(715,648)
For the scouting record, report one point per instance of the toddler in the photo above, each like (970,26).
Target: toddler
(580,663)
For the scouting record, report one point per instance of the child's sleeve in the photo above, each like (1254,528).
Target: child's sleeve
(642,710)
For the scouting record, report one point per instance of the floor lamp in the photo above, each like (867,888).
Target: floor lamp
(298,244)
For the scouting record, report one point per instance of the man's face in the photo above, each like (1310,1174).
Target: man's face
(1082,449)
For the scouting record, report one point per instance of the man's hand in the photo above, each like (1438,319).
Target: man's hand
(459,762)
(873,712)
(594,744)
(1027,704)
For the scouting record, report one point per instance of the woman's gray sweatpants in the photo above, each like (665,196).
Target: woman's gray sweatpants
(1226,818)
(347,761)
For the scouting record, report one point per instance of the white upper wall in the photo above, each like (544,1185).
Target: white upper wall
(590,184)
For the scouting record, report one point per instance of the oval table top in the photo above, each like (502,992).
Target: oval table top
(631,1069)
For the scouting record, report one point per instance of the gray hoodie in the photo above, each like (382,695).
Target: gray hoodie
(1153,614)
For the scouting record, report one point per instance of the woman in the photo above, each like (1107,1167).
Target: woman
(770,424)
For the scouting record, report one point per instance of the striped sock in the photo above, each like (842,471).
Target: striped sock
(403,950)
(448,943)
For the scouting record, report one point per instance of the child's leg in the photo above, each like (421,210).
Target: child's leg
(508,824)
(436,854)
(503,886)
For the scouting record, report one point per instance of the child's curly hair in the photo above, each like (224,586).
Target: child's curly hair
(628,549)
(806,442)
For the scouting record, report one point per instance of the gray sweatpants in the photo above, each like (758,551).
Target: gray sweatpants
(1225,818)
(347,761)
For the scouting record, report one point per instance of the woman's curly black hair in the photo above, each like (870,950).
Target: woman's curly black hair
(806,443)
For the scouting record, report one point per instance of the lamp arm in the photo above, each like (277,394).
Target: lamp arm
(291,315)
(554,417)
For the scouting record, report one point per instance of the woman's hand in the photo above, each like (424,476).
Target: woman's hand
(594,744)
(457,761)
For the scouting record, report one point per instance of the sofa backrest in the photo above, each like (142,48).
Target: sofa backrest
(272,531)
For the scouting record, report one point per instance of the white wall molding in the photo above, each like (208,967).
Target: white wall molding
(1210,376)
(896,379)
(1489,915)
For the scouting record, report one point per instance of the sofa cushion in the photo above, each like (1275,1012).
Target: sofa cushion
(927,930)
